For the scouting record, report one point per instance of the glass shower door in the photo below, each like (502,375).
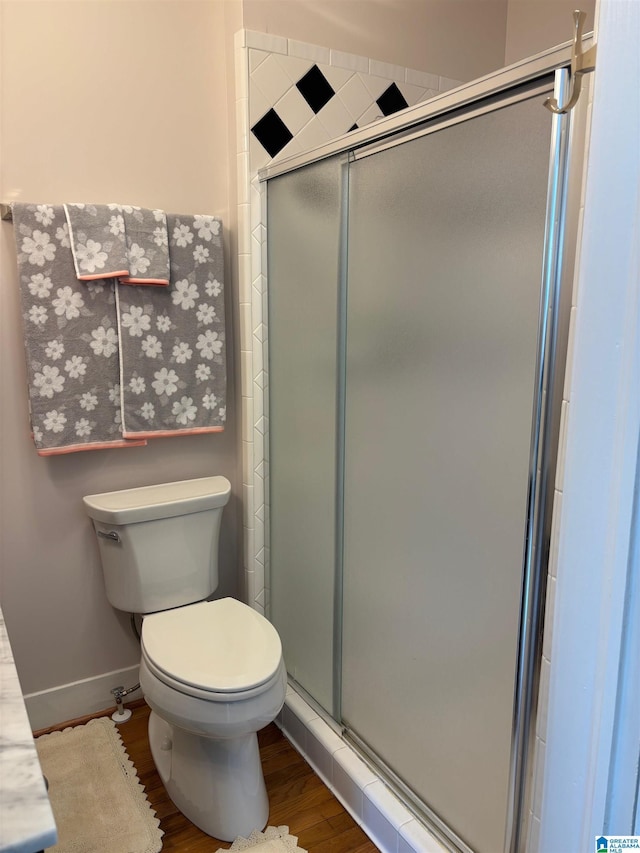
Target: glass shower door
(446,241)
(304,210)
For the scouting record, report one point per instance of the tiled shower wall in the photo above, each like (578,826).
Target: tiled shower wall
(291,97)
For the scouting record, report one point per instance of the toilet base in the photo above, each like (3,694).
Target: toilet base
(217,784)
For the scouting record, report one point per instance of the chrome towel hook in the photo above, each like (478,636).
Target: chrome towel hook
(581,63)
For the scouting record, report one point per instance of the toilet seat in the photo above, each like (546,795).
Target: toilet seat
(213,649)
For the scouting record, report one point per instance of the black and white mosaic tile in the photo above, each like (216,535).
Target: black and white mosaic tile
(298,102)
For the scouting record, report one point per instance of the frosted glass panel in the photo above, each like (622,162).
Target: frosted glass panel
(303,218)
(445,265)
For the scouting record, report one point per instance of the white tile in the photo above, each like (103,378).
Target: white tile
(240,39)
(375,85)
(294,111)
(294,67)
(247,416)
(259,573)
(570,348)
(256,57)
(346,787)
(447,83)
(387,804)
(534,835)
(300,708)
(412,94)
(241,75)
(387,70)
(242,124)
(245,326)
(321,744)
(292,148)
(422,79)
(271,80)
(244,277)
(538,778)
(250,586)
(313,135)
(325,735)
(355,767)
(247,459)
(249,549)
(428,94)
(349,61)
(543,699)
(337,77)
(335,118)
(294,729)
(415,838)
(576,275)
(313,52)
(265,41)
(242,174)
(355,96)
(379,816)
(554,545)
(374,113)
(256,208)
(258,157)
(258,104)
(550,605)
(246,371)
(562,445)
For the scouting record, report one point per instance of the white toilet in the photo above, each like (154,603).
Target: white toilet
(212,671)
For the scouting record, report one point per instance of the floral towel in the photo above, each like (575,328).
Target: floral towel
(98,244)
(147,246)
(71,340)
(119,241)
(172,340)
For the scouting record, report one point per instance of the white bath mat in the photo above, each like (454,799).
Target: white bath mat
(97,800)
(275,839)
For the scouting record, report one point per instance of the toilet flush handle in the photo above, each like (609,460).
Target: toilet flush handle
(111,534)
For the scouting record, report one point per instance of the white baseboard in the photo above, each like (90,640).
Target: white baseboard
(78,699)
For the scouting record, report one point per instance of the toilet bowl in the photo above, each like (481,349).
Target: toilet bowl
(211,671)
(213,676)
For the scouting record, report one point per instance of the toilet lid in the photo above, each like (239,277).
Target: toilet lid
(222,646)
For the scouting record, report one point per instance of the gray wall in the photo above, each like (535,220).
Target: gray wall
(101,102)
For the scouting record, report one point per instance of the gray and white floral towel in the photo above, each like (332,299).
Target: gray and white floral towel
(147,246)
(119,241)
(172,340)
(98,244)
(71,340)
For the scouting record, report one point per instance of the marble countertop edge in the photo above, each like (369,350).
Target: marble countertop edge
(27,824)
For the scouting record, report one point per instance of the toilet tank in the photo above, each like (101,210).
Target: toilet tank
(159,544)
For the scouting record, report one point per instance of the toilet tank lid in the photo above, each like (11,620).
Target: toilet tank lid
(163,500)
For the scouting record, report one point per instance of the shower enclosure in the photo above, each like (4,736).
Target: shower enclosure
(418,312)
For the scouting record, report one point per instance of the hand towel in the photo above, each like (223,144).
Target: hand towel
(147,246)
(97,238)
(71,340)
(172,340)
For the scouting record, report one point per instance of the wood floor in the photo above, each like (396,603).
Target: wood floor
(297,797)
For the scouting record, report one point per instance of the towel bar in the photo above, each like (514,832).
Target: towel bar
(5,213)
